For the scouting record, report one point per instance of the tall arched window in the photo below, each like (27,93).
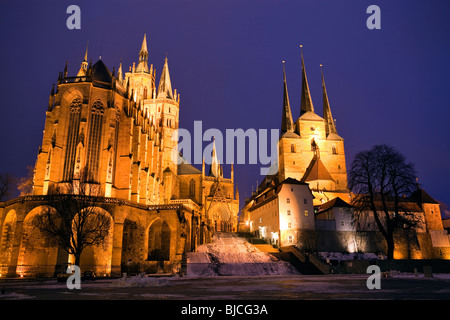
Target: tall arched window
(292,148)
(72,138)
(145,92)
(95,136)
(192,188)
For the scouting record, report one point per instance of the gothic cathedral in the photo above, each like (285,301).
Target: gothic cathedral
(119,132)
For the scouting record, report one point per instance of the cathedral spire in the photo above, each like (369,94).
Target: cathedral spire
(165,87)
(215,166)
(287,124)
(120,74)
(330,126)
(143,57)
(84,65)
(306,101)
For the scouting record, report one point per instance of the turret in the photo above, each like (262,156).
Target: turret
(84,66)
(165,86)
(143,57)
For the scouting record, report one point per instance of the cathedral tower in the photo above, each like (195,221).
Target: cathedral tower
(311,150)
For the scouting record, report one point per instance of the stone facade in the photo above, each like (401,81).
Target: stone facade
(311,153)
(122,130)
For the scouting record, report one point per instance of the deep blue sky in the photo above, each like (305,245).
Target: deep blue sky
(386,86)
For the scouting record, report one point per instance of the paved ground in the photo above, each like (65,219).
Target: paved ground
(300,287)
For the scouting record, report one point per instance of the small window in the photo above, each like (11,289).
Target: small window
(289,212)
(290,239)
(306,213)
(305,201)
(292,189)
(342,223)
(339,167)
(333,148)
(288,200)
(289,225)
(292,148)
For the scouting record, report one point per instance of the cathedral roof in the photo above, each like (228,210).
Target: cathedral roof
(100,73)
(420,196)
(316,171)
(334,136)
(291,135)
(186,168)
(311,115)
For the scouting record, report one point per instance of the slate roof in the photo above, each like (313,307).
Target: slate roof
(101,73)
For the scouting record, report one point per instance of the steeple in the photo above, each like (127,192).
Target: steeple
(84,65)
(165,87)
(330,126)
(215,166)
(120,74)
(287,124)
(143,57)
(306,101)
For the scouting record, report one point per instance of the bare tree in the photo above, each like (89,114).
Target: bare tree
(6,181)
(382,181)
(72,218)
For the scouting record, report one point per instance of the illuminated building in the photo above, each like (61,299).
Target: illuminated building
(122,127)
(311,154)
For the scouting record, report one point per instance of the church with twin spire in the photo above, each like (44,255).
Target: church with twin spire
(307,203)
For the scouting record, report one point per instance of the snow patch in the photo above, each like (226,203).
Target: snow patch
(141,280)
(230,255)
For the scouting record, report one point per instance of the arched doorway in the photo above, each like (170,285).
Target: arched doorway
(159,241)
(7,240)
(133,240)
(220,216)
(37,252)
(98,257)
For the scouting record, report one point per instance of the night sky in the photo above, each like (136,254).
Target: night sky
(387,86)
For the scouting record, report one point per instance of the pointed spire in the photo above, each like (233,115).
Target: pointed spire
(330,126)
(51,99)
(143,57)
(86,53)
(120,74)
(287,124)
(144,44)
(306,101)
(65,70)
(165,87)
(215,166)
(84,65)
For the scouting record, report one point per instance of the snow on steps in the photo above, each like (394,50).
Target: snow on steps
(230,255)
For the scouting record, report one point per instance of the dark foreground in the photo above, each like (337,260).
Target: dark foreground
(300,287)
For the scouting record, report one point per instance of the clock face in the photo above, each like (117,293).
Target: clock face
(312,128)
